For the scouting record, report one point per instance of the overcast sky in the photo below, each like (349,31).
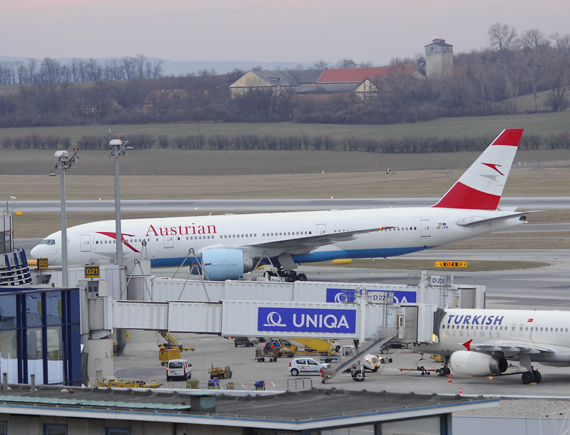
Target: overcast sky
(264,31)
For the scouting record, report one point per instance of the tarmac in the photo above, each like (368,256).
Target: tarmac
(403,375)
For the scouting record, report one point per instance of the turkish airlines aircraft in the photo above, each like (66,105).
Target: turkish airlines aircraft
(480,342)
(227,246)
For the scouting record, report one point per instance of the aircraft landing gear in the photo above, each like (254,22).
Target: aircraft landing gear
(529,377)
(445,370)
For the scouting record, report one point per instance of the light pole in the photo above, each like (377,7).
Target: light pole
(118,148)
(64,162)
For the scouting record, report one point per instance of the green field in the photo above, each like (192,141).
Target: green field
(541,123)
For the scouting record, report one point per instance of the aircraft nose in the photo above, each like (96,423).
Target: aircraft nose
(35,252)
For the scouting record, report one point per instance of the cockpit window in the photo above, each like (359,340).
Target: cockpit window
(48,242)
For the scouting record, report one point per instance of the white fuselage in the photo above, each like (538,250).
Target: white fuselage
(544,335)
(170,240)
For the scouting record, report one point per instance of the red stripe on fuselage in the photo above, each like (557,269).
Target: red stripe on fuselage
(462,196)
(509,137)
(114,236)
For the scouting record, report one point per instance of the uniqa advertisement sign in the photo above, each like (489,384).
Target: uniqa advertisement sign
(346,296)
(306,320)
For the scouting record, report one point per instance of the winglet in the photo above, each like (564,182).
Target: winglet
(481,186)
(467,344)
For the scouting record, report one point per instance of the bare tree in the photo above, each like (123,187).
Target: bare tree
(346,63)
(557,75)
(32,65)
(50,70)
(534,39)
(367,64)
(532,63)
(21,71)
(562,42)
(321,64)
(502,37)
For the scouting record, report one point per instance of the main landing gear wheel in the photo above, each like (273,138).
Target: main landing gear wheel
(527,377)
(537,376)
(358,375)
(444,371)
(301,277)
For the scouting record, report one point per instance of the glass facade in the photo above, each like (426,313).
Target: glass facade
(40,335)
(5,233)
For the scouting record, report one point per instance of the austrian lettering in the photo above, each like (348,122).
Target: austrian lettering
(180,230)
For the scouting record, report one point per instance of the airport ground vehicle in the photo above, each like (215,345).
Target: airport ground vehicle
(271,355)
(306,366)
(374,362)
(178,368)
(171,349)
(220,372)
(245,341)
(278,347)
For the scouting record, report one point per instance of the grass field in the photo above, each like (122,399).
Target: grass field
(541,123)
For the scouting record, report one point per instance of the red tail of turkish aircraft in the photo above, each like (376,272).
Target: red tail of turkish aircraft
(481,186)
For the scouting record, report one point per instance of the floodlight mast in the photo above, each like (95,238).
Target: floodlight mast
(118,148)
(64,162)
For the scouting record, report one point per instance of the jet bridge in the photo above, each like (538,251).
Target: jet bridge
(333,310)
(301,309)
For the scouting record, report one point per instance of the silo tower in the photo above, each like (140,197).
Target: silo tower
(439,59)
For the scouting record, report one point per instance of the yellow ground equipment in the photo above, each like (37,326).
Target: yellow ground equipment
(220,372)
(124,384)
(171,349)
(324,347)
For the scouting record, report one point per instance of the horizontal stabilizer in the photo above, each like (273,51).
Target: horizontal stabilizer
(475,221)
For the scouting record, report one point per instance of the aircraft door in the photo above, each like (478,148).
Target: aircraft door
(321,229)
(425,228)
(169,241)
(85,242)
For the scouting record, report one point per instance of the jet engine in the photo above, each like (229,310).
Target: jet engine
(222,264)
(476,364)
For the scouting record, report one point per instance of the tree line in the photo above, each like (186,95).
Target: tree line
(288,143)
(51,70)
(133,91)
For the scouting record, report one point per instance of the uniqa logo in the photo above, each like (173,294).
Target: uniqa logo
(329,321)
(341,298)
(274,319)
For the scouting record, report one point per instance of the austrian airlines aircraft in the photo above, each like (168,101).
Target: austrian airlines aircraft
(480,342)
(226,246)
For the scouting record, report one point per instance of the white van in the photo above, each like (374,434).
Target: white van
(178,368)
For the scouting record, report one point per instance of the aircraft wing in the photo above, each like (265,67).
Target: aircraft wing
(302,244)
(511,348)
(475,221)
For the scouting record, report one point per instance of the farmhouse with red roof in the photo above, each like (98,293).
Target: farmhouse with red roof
(364,82)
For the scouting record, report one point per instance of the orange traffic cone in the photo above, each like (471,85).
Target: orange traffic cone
(449,381)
